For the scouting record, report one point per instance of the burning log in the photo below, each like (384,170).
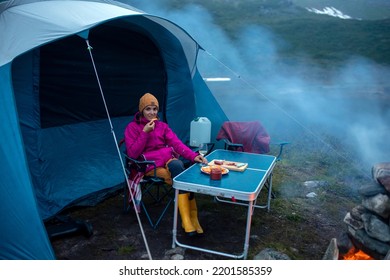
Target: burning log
(356,254)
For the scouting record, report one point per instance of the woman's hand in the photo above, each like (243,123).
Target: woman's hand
(201,159)
(149,126)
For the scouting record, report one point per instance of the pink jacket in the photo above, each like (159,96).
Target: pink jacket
(160,145)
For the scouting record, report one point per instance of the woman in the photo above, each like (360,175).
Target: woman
(149,138)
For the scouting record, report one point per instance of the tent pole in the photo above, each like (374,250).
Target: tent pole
(117,147)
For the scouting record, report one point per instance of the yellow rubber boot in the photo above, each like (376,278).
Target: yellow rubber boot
(194,216)
(184,210)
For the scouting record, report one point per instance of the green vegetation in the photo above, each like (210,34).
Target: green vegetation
(327,40)
(125,250)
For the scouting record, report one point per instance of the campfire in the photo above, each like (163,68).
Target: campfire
(355,254)
(368,224)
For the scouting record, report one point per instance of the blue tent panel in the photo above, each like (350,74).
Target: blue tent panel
(17,201)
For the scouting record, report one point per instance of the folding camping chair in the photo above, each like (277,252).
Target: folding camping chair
(155,193)
(249,137)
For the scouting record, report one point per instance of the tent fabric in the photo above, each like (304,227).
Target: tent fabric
(17,203)
(40,22)
(58,146)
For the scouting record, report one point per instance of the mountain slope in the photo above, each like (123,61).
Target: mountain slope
(325,39)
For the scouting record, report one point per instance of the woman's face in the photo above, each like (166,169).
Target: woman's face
(150,112)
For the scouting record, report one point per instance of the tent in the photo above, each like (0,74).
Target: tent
(58,143)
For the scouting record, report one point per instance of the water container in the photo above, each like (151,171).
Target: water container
(200,131)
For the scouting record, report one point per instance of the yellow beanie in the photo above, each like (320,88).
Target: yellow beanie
(147,99)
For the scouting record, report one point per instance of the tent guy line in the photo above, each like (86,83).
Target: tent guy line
(89,47)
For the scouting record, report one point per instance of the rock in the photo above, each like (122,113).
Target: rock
(380,204)
(315,184)
(175,251)
(357,211)
(381,174)
(144,256)
(311,195)
(176,257)
(344,243)
(356,224)
(372,189)
(375,248)
(376,228)
(387,257)
(271,254)
(332,252)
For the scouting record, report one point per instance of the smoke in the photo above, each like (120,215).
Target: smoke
(294,97)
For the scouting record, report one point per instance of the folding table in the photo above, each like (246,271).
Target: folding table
(235,186)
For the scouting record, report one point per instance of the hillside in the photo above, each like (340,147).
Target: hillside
(323,38)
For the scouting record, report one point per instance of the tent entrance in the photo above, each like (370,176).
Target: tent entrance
(72,157)
(127,69)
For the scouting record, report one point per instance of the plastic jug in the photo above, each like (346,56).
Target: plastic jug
(200,131)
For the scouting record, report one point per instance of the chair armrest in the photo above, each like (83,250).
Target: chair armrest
(140,165)
(210,147)
(232,146)
(281,144)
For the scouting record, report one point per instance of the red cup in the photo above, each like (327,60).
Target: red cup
(215,173)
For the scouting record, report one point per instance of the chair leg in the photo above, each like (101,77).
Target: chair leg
(155,224)
(159,194)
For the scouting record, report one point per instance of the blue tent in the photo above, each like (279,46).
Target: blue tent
(57,145)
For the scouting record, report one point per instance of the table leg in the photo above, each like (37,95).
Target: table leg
(175,241)
(244,254)
(175,214)
(269,192)
(248,229)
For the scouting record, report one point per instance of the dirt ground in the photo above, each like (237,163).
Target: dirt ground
(297,226)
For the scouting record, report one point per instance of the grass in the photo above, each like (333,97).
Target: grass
(125,250)
(304,226)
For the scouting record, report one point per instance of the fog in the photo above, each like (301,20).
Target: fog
(291,98)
